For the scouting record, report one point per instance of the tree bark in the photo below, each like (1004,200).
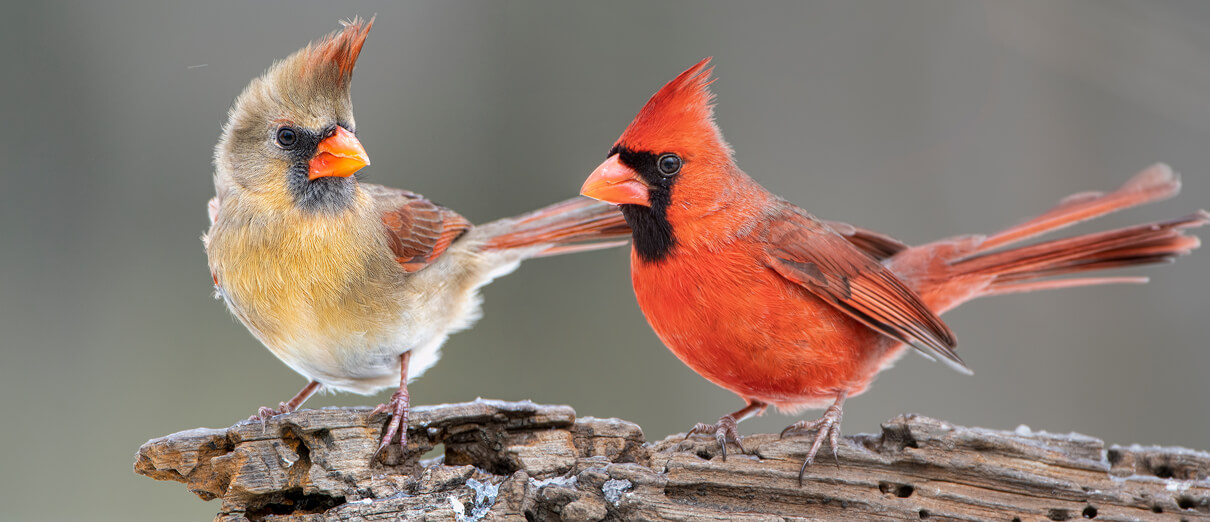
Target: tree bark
(519,460)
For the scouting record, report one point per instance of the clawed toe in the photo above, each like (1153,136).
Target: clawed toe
(724,431)
(397,408)
(825,427)
(265,413)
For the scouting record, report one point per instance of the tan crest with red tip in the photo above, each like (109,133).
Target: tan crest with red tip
(336,54)
(680,116)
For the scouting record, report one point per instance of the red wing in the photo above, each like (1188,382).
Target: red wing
(418,230)
(824,262)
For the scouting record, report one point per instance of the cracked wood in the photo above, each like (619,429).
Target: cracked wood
(523,461)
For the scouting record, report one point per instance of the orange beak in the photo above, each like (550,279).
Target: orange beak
(616,183)
(338,155)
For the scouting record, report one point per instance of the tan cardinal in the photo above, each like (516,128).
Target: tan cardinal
(355,286)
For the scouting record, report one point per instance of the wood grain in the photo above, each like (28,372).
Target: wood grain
(523,461)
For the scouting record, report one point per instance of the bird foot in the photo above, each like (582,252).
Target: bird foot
(397,408)
(265,413)
(826,427)
(724,430)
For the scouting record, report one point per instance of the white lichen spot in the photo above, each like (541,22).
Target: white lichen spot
(459,509)
(561,482)
(613,490)
(1023,431)
(485,498)
(1136,448)
(1177,485)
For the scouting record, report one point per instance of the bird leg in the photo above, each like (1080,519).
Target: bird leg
(827,427)
(265,412)
(726,428)
(397,408)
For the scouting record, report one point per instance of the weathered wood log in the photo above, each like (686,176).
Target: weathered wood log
(519,460)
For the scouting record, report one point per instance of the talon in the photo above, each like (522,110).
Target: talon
(397,408)
(825,427)
(700,427)
(378,409)
(803,470)
(264,413)
(726,429)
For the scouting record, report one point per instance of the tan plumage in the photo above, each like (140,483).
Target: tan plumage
(349,283)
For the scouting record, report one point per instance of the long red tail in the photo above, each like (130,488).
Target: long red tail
(575,225)
(974,268)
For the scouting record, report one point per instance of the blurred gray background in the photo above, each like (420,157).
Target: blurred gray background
(919,119)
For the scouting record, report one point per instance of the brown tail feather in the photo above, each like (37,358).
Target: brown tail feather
(574,225)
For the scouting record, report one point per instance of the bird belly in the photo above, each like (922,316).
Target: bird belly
(343,346)
(743,327)
(348,332)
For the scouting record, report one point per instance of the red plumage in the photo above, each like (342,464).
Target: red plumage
(336,54)
(763,299)
(681,115)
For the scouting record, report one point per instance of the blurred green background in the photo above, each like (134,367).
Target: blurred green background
(919,119)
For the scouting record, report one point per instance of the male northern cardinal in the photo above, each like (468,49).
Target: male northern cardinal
(355,286)
(763,299)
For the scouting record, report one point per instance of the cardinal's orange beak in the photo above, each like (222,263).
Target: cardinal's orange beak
(338,155)
(616,183)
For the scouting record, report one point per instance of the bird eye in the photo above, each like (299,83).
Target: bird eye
(669,164)
(286,137)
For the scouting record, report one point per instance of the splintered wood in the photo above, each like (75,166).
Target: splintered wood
(524,461)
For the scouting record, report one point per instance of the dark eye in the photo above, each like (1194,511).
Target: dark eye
(286,137)
(669,164)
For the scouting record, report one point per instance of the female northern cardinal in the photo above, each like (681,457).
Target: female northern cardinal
(355,286)
(763,299)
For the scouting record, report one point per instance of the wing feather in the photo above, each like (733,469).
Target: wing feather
(842,268)
(418,230)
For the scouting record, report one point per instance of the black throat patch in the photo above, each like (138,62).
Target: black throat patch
(329,195)
(652,233)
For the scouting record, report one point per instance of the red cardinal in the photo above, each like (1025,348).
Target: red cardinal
(763,299)
(355,286)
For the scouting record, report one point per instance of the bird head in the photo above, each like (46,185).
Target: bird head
(291,135)
(671,153)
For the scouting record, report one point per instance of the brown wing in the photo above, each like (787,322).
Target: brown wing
(418,230)
(881,246)
(821,260)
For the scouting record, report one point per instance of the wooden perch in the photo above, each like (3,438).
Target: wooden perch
(519,460)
